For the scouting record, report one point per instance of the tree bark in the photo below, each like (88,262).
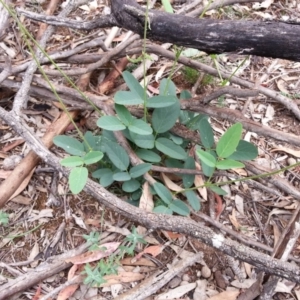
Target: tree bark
(262,38)
(275,39)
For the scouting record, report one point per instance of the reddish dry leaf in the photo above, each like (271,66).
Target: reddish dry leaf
(67,292)
(37,294)
(153,250)
(72,271)
(172,235)
(219,205)
(105,250)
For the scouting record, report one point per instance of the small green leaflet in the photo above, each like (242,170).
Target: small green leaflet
(140,127)
(143,141)
(244,151)
(148,155)
(206,157)
(163,193)
(167,6)
(134,85)
(170,148)
(117,155)
(193,200)
(121,176)
(110,123)
(69,144)
(163,119)
(161,101)
(139,170)
(229,141)
(128,98)
(124,114)
(179,207)
(218,190)
(228,164)
(77,179)
(206,133)
(161,209)
(72,161)
(92,157)
(131,186)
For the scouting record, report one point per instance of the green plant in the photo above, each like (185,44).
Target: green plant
(4,217)
(95,274)
(153,142)
(191,75)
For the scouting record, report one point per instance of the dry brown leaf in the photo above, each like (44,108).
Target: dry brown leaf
(67,292)
(199,182)
(293,152)
(169,183)
(105,250)
(234,220)
(227,295)
(141,262)
(146,200)
(122,277)
(153,250)
(171,235)
(23,184)
(21,200)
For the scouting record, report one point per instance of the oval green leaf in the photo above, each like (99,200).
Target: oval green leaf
(163,193)
(206,133)
(244,151)
(139,170)
(218,190)
(227,164)
(206,158)
(179,207)
(161,209)
(128,98)
(148,155)
(229,141)
(188,179)
(169,148)
(121,176)
(193,200)
(92,157)
(69,144)
(131,186)
(117,155)
(163,119)
(123,114)
(110,123)
(140,127)
(161,101)
(72,161)
(77,179)
(134,85)
(143,141)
